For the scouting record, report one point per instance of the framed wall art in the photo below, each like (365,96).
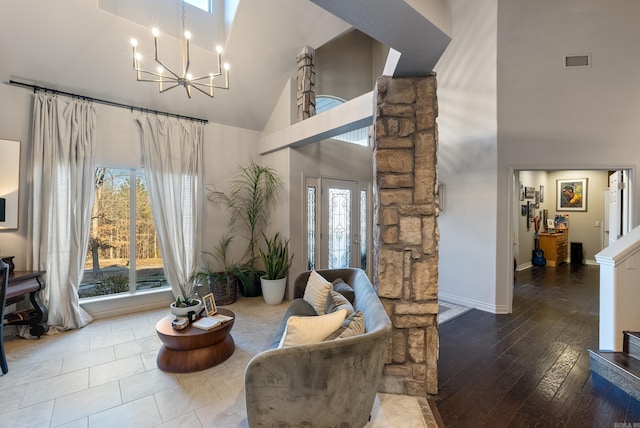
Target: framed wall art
(571,194)
(529,192)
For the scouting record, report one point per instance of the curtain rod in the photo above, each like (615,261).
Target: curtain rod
(106,102)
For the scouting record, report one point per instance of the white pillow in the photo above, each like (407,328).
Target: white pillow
(305,330)
(317,291)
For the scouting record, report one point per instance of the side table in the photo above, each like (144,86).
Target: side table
(193,349)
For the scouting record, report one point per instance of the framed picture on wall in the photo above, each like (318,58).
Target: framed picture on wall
(541,193)
(521,191)
(536,199)
(571,194)
(523,210)
(529,192)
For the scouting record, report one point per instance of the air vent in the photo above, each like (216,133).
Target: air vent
(579,61)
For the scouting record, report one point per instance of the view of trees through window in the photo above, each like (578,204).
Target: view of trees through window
(124,253)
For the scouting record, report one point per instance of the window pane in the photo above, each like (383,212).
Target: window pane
(363,229)
(202,4)
(149,270)
(339,227)
(311,227)
(109,264)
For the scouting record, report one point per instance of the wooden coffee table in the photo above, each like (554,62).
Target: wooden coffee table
(193,349)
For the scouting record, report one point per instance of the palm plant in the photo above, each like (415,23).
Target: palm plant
(252,195)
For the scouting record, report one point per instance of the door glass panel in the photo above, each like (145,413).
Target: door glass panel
(363,230)
(339,227)
(311,227)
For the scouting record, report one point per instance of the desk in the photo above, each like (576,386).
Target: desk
(22,283)
(192,349)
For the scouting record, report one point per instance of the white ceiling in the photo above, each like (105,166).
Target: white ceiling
(74,46)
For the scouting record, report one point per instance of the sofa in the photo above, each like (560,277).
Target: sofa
(331,383)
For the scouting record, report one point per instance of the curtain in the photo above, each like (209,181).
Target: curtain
(174,167)
(62,196)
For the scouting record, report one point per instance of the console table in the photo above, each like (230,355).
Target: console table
(21,284)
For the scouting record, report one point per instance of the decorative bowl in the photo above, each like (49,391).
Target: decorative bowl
(184,311)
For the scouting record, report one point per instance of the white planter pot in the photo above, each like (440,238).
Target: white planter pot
(273,290)
(183,312)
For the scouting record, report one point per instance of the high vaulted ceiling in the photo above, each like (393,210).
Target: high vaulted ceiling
(75,46)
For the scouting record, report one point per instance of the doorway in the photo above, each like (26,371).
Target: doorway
(607,204)
(338,223)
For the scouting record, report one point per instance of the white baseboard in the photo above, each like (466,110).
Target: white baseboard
(470,303)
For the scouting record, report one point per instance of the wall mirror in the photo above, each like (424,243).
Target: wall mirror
(9,182)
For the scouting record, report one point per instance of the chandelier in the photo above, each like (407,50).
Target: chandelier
(168,79)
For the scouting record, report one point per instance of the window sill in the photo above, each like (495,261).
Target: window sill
(126,303)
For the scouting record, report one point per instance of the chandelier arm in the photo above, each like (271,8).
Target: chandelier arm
(153,73)
(208,76)
(166,68)
(187,87)
(209,94)
(207,85)
(170,87)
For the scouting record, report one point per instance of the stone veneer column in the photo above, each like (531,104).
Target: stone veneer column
(405,231)
(306,92)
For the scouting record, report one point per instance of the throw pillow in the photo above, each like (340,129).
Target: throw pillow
(305,330)
(351,326)
(316,292)
(336,301)
(345,289)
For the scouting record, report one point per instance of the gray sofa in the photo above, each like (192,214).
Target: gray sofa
(327,384)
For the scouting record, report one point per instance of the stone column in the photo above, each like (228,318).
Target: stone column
(306,92)
(405,230)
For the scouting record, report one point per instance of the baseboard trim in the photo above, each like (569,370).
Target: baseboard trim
(469,303)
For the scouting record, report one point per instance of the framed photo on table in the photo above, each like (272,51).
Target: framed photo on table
(209,304)
(571,194)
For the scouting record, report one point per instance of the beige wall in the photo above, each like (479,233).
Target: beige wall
(349,65)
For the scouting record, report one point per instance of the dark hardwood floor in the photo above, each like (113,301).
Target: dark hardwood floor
(531,368)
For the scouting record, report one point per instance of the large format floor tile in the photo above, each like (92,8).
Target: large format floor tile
(105,375)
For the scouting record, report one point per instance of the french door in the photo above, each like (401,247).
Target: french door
(337,224)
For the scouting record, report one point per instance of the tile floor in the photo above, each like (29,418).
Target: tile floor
(105,375)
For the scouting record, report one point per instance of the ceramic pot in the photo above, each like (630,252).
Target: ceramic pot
(183,312)
(273,290)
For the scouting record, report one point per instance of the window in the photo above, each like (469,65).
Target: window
(201,4)
(124,252)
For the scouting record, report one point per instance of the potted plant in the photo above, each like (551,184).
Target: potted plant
(276,262)
(183,305)
(252,194)
(222,280)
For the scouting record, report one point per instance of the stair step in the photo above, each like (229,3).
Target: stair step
(619,368)
(632,343)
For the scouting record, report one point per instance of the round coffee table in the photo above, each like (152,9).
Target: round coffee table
(193,349)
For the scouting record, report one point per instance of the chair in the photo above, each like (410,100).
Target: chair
(4,283)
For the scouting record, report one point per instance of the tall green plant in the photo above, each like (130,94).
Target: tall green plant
(252,194)
(276,258)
